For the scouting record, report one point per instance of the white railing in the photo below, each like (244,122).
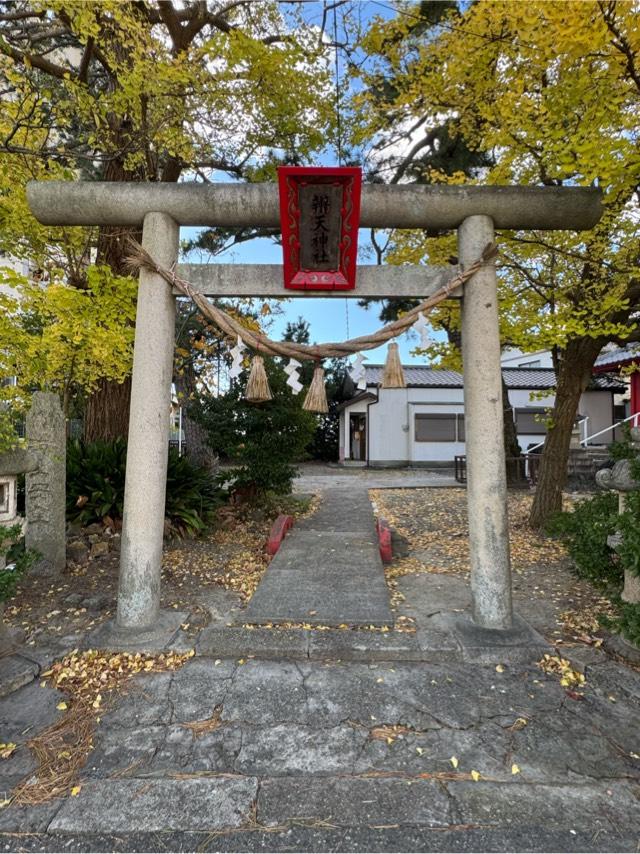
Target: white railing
(582,421)
(586,439)
(635,417)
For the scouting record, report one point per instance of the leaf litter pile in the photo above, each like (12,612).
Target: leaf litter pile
(89,680)
(434,524)
(231,555)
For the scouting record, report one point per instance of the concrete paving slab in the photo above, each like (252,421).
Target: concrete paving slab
(145,702)
(266,693)
(485,749)
(369,695)
(22,819)
(125,752)
(112,806)
(239,642)
(341,511)
(428,593)
(604,804)
(197,688)
(354,802)
(329,551)
(364,646)
(15,769)
(318,605)
(401,838)
(292,749)
(26,712)
(15,672)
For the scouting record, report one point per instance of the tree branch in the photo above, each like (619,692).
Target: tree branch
(33,60)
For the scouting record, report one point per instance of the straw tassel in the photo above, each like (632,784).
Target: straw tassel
(258,385)
(393,374)
(316,399)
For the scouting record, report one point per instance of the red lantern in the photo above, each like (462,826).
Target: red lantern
(319,217)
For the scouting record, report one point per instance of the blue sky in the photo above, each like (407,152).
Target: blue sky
(330,319)
(335,318)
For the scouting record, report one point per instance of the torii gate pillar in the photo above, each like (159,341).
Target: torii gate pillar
(148,445)
(484,437)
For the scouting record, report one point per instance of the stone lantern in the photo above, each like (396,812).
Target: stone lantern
(619,477)
(8,499)
(12,463)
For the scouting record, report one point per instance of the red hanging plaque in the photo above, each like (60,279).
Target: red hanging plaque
(319,217)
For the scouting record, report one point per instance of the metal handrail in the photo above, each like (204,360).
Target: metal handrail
(584,419)
(635,416)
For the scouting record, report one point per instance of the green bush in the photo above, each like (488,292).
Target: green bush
(585,531)
(95,486)
(18,560)
(95,480)
(626,623)
(266,439)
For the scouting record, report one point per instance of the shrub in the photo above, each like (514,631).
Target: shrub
(95,480)
(626,623)
(95,486)
(585,531)
(265,439)
(18,560)
(193,494)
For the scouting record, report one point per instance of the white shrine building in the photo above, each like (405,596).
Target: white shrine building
(423,424)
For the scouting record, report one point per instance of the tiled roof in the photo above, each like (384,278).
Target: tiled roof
(515,378)
(622,354)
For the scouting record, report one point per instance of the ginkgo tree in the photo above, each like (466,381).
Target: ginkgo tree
(552,92)
(153,90)
(63,339)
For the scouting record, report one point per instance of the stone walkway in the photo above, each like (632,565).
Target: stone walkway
(335,756)
(344,740)
(315,477)
(328,569)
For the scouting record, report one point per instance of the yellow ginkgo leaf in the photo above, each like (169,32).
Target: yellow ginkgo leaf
(454,761)
(515,769)
(475,775)
(6,750)
(500,668)
(75,791)
(62,706)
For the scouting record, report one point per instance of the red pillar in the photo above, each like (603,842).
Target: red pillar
(635,393)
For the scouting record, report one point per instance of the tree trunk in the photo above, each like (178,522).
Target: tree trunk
(511,445)
(107,411)
(573,377)
(195,437)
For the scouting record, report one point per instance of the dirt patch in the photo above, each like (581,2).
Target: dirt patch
(231,555)
(434,523)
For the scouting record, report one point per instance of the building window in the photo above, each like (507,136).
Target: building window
(439,427)
(531,422)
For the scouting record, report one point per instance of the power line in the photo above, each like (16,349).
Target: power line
(337,78)
(339,123)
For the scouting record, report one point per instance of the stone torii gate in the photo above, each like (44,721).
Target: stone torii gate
(161,209)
